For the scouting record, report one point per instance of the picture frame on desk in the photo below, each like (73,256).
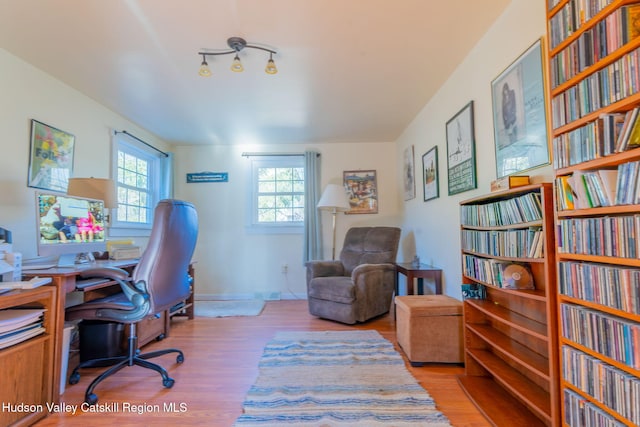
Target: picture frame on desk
(519,114)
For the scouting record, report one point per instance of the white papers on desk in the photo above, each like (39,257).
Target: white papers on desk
(17,325)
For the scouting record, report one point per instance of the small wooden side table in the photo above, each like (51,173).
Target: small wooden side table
(423,271)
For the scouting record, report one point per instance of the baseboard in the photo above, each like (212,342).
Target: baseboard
(267,296)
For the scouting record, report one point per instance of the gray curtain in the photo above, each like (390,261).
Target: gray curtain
(312,224)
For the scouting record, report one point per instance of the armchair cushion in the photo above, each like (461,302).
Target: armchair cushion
(339,289)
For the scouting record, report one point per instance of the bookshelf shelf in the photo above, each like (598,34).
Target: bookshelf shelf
(598,313)
(511,335)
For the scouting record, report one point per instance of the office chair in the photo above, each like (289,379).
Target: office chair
(158,282)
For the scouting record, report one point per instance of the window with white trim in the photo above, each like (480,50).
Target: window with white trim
(277,196)
(136,173)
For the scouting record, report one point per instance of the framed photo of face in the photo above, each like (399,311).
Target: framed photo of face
(519,114)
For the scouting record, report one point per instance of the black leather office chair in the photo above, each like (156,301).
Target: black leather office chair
(158,282)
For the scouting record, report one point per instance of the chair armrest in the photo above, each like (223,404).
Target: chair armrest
(324,269)
(112,273)
(364,269)
(136,292)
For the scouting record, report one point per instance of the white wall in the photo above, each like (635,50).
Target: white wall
(28,93)
(231,263)
(435,224)
(235,263)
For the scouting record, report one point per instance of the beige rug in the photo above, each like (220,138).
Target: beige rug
(252,307)
(336,379)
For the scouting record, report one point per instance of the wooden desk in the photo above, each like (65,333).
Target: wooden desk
(421,272)
(64,279)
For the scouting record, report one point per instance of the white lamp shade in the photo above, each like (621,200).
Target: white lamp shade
(94,188)
(334,197)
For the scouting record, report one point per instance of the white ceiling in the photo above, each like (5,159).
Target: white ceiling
(349,70)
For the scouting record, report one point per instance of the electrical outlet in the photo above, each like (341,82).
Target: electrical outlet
(284,269)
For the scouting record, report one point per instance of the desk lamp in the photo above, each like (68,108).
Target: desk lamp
(334,199)
(94,188)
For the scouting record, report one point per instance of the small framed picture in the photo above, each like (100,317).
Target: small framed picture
(409,174)
(430,180)
(362,190)
(51,157)
(461,151)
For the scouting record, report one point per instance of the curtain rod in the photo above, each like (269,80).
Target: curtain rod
(144,142)
(258,154)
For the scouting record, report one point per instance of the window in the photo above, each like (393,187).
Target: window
(137,172)
(278,193)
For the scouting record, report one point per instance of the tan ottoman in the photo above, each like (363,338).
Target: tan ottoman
(429,328)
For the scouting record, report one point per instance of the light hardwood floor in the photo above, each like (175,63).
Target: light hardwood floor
(221,359)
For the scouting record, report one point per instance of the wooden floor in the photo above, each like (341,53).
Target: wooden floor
(221,359)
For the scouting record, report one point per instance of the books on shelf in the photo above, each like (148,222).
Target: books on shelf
(631,118)
(522,209)
(610,236)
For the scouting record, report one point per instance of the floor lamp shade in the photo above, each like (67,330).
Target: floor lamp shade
(334,199)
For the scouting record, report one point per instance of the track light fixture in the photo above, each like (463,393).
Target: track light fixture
(236,44)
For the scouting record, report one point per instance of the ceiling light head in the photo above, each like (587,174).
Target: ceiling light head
(204,71)
(236,65)
(271,66)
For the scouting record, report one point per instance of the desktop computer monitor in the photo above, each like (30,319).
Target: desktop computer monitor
(71,228)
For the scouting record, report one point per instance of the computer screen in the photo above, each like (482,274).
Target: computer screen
(69,227)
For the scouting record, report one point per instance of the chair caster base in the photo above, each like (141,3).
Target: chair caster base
(168,382)
(74,378)
(91,399)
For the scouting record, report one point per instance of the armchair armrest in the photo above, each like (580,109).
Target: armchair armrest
(324,269)
(364,269)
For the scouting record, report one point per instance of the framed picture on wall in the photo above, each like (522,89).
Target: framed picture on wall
(519,116)
(362,190)
(430,181)
(409,174)
(461,151)
(51,157)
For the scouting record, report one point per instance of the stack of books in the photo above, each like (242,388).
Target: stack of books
(17,325)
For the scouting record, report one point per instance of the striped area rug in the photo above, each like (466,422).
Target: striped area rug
(336,378)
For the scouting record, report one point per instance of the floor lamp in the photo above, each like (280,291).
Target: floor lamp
(334,199)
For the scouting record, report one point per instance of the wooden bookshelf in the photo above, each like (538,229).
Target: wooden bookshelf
(511,369)
(598,284)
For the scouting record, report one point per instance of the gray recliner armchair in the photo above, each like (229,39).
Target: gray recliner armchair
(360,285)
